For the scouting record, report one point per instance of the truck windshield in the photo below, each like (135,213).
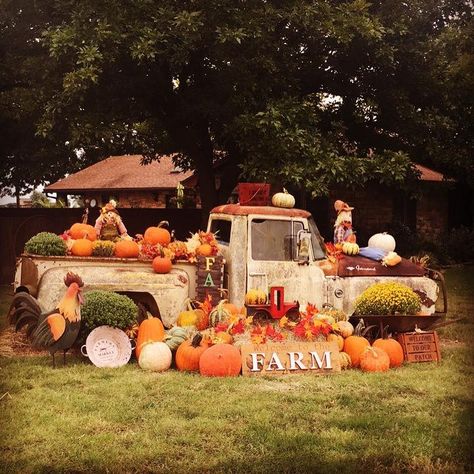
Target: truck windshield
(319,249)
(221,228)
(273,239)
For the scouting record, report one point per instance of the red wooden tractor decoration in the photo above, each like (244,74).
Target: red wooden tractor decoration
(276,308)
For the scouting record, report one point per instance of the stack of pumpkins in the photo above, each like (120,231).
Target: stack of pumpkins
(208,352)
(356,350)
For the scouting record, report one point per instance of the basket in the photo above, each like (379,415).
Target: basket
(107,347)
(254,194)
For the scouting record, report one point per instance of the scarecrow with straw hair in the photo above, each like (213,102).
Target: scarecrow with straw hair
(109,225)
(343,226)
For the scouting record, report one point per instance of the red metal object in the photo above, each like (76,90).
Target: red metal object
(277,307)
(254,194)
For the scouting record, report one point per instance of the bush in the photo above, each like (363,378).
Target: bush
(387,299)
(46,243)
(107,308)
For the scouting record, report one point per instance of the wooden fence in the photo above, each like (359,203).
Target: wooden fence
(19,225)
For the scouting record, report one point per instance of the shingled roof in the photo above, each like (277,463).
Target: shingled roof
(124,173)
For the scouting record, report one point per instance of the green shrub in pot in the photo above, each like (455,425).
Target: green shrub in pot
(47,244)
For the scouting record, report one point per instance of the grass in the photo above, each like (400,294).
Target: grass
(82,419)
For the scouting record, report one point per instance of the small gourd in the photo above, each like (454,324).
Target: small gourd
(338,339)
(219,314)
(345,360)
(345,328)
(255,296)
(193,317)
(284,199)
(175,336)
(391,259)
(349,248)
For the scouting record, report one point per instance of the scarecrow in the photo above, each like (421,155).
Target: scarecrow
(109,225)
(343,225)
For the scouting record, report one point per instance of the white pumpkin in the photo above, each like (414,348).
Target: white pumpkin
(155,356)
(284,199)
(383,241)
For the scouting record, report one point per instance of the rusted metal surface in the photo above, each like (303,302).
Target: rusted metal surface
(238,210)
(169,291)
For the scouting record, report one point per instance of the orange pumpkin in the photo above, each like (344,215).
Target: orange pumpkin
(374,359)
(205,250)
(221,360)
(82,248)
(82,231)
(126,249)
(394,350)
(354,345)
(161,265)
(150,330)
(189,353)
(157,235)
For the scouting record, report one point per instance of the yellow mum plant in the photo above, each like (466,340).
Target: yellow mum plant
(388,298)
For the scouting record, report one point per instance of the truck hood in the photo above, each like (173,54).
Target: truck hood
(354,266)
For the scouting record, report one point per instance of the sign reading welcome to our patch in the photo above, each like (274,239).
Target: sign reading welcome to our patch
(290,358)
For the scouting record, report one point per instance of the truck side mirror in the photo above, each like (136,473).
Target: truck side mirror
(303,243)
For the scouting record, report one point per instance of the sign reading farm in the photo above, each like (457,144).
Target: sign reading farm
(290,358)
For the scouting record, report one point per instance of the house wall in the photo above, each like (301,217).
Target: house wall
(377,208)
(432,217)
(142,199)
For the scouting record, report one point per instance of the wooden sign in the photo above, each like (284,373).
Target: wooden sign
(210,277)
(420,347)
(290,358)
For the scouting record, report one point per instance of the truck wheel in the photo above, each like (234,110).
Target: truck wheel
(293,315)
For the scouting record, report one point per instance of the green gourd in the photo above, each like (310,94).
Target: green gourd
(175,336)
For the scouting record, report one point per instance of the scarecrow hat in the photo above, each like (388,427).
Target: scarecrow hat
(110,207)
(340,206)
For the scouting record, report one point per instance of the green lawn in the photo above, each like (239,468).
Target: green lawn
(83,419)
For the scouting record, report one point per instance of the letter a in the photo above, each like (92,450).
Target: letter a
(209,281)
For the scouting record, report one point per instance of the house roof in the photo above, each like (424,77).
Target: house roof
(124,173)
(428,174)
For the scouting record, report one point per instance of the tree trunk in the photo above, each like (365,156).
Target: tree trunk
(203,156)
(17,196)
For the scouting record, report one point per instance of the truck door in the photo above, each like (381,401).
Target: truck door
(272,259)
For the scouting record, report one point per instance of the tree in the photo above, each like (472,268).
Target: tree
(309,93)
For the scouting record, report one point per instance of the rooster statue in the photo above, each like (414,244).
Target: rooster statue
(55,330)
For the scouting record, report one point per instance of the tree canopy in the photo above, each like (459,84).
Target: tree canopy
(308,93)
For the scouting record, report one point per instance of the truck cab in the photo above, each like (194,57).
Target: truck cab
(268,246)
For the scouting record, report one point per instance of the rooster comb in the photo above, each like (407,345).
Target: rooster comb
(73,278)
